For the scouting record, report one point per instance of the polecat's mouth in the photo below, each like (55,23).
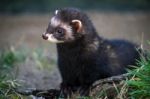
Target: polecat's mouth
(51,38)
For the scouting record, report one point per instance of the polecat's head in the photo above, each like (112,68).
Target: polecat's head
(65,26)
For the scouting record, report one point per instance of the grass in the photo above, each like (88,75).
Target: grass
(12,58)
(137,86)
(8,60)
(42,61)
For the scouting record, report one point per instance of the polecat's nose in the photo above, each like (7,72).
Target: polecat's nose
(44,36)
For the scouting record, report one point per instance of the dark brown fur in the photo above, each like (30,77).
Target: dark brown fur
(88,57)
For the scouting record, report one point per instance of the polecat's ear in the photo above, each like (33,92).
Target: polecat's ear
(77,24)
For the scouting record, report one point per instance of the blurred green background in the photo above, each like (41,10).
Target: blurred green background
(20,6)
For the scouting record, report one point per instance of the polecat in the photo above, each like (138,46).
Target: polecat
(84,56)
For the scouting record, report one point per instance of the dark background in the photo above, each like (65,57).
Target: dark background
(42,6)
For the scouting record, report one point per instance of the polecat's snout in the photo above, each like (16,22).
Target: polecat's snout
(51,38)
(44,36)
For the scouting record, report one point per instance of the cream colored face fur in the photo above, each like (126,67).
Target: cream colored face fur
(52,39)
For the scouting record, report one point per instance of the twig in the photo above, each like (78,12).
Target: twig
(110,80)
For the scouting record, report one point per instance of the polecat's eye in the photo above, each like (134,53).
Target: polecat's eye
(59,30)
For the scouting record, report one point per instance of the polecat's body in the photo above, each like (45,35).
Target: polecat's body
(84,64)
(83,56)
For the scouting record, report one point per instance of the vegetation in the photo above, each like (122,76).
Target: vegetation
(137,85)
(12,58)
(8,60)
